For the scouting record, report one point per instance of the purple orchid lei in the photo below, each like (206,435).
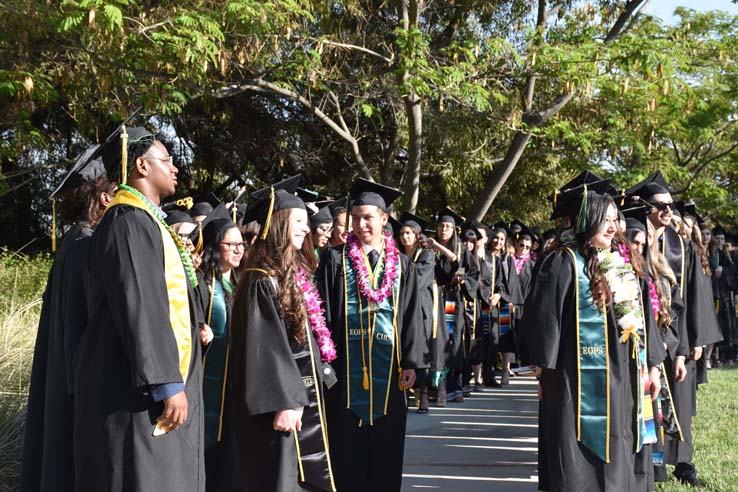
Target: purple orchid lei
(388,276)
(316,314)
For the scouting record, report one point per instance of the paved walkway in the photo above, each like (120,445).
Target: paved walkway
(488,443)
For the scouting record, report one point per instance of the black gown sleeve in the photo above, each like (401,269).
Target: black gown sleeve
(271,378)
(74,303)
(513,293)
(471,275)
(425,268)
(130,260)
(544,309)
(655,349)
(413,343)
(701,320)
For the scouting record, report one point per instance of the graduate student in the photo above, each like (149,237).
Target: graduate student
(279,341)
(584,323)
(218,274)
(413,245)
(500,313)
(699,316)
(370,293)
(321,228)
(138,387)
(47,447)
(457,273)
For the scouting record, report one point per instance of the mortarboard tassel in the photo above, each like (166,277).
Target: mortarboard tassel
(124,155)
(556,197)
(199,245)
(186,202)
(234,210)
(582,219)
(269,215)
(53,225)
(622,202)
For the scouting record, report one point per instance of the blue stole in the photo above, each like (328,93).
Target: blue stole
(593,366)
(372,342)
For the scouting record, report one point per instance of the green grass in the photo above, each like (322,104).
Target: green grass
(23,280)
(715,434)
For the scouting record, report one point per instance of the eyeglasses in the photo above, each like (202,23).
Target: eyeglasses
(324,229)
(234,246)
(168,159)
(184,237)
(662,206)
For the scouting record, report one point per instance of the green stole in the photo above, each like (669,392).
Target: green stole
(593,366)
(372,342)
(175,274)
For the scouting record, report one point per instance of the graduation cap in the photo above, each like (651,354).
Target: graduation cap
(339,204)
(394,226)
(470,228)
(177,216)
(412,220)
(184,204)
(688,208)
(115,150)
(87,167)
(719,230)
(638,214)
(503,226)
(365,192)
(264,202)
(654,184)
(322,216)
(307,196)
(524,231)
(448,215)
(219,212)
(566,201)
(548,234)
(516,226)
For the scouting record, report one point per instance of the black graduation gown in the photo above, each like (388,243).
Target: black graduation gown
(425,267)
(264,378)
(723,290)
(549,330)
(701,328)
(127,348)
(369,458)
(514,293)
(460,340)
(486,341)
(47,447)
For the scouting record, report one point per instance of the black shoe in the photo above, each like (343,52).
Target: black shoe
(687,474)
(492,383)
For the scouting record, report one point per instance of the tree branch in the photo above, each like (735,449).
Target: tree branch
(264,87)
(622,19)
(385,59)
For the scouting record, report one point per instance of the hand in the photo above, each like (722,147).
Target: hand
(206,334)
(407,379)
(430,243)
(288,420)
(697,353)
(680,370)
(175,412)
(495,299)
(540,392)
(655,375)
(718,272)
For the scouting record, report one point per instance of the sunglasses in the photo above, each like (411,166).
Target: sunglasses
(662,206)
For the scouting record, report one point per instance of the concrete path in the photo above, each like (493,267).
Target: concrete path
(488,443)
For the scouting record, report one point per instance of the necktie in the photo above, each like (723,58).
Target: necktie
(373,258)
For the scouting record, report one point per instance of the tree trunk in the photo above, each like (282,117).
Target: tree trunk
(533,119)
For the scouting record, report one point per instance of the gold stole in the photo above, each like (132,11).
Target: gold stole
(176,278)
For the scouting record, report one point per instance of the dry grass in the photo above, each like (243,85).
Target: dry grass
(23,279)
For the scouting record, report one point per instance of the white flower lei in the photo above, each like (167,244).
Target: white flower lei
(626,294)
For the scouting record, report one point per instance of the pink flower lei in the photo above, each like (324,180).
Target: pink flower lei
(388,275)
(316,315)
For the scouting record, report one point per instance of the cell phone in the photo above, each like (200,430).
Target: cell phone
(461,271)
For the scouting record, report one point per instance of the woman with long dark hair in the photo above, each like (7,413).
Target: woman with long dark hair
(413,245)
(278,340)
(584,324)
(223,249)
(456,273)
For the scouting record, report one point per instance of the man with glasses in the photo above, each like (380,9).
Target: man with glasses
(698,324)
(138,387)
